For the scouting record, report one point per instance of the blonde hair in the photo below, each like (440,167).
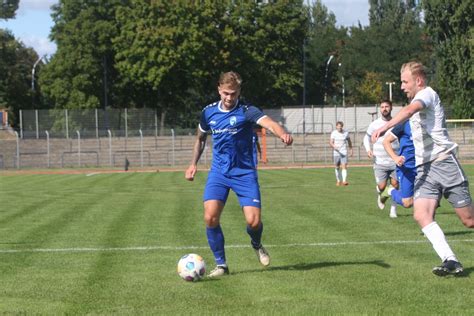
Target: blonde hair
(416,68)
(231,78)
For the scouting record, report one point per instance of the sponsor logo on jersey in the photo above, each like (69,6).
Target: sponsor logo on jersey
(224,130)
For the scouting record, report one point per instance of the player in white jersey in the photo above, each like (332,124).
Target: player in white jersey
(384,166)
(341,142)
(438,171)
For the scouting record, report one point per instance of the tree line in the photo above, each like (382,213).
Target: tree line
(167,55)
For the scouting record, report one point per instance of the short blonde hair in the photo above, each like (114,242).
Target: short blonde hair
(231,78)
(416,68)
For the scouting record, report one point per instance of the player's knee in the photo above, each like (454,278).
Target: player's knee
(407,203)
(211,221)
(467,216)
(468,222)
(254,223)
(418,218)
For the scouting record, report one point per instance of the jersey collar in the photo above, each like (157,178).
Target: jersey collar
(226,111)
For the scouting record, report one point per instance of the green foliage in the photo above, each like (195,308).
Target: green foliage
(168,54)
(16,62)
(395,36)
(324,40)
(176,50)
(81,74)
(370,89)
(450,23)
(8,9)
(108,244)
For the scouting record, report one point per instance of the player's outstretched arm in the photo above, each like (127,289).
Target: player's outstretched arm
(276,129)
(198,148)
(401,116)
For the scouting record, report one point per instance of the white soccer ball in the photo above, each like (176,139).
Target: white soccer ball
(191,267)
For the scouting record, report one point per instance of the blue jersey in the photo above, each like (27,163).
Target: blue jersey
(255,148)
(232,131)
(407,149)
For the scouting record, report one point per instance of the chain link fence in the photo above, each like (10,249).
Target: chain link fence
(115,137)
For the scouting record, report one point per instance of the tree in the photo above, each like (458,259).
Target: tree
(395,35)
(370,89)
(174,51)
(450,23)
(8,9)
(324,40)
(15,74)
(81,74)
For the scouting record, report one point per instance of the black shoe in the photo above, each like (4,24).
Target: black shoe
(449,267)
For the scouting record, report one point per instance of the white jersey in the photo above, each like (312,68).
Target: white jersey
(382,158)
(340,142)
(428,128)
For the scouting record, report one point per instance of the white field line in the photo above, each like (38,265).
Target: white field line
(152,248)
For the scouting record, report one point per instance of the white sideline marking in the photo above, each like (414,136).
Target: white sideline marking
(148,248)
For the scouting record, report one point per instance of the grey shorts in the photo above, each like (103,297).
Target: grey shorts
(340,159)
(443,178)
(382,173)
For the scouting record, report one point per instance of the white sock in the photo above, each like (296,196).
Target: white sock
(393,209)
(344,175)
(338,174)
(436,236)
(389,191)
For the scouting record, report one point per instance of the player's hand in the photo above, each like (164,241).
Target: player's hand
(377,134)
(287,139)
(190,172)
(400,160)
(370,154)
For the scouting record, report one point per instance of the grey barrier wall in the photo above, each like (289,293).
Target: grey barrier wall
(59,145)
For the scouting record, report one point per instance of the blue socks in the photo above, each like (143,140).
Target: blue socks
(397,196)
(215,238)
(255,236)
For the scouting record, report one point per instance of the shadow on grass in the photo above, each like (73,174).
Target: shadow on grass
(462,232)
(317,265)
(467,272)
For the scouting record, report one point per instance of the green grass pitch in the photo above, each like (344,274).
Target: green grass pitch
(109,244)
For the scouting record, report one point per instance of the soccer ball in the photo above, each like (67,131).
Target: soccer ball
(191,267)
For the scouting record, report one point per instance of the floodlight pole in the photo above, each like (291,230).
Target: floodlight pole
(390,83)
(343,89)
(33,80)
(304,86)
(326,79)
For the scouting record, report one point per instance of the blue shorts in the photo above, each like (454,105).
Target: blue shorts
(406,179)
(246,188)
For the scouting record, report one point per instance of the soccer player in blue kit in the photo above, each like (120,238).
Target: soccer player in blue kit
(230,121)
(405,161)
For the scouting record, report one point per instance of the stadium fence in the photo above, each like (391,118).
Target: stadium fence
(136,138)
